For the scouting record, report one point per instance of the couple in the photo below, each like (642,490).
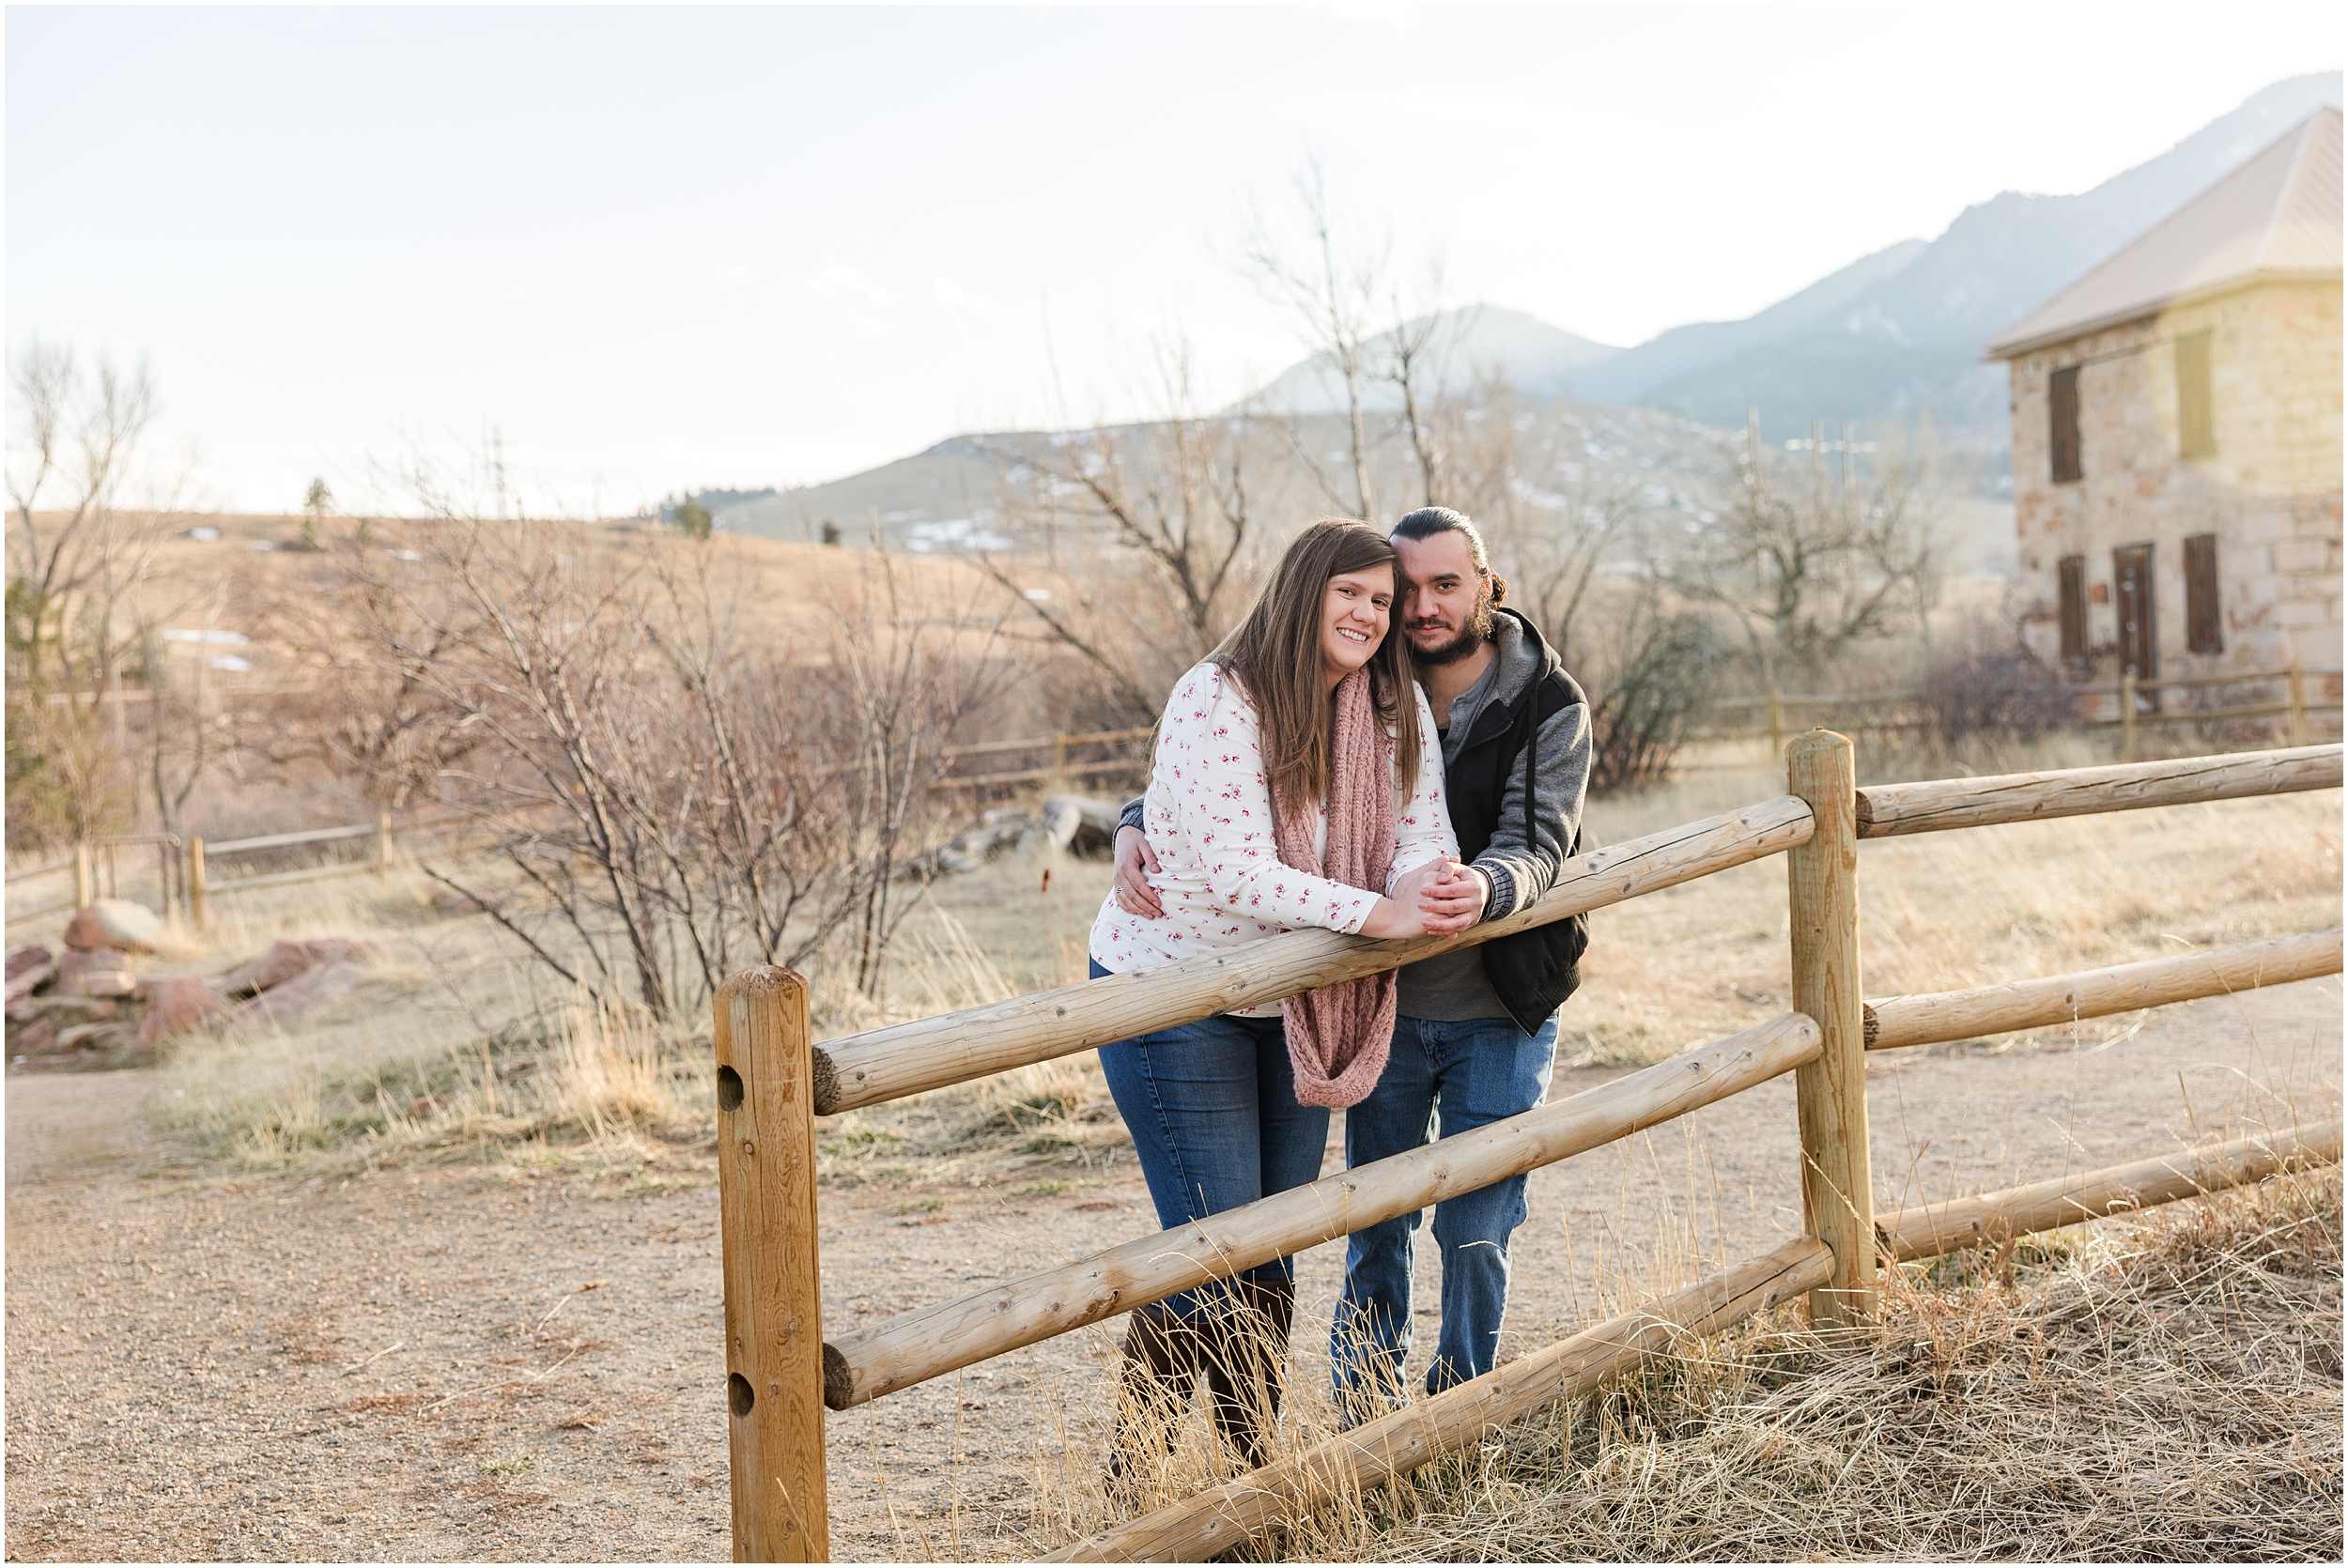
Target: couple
(1380,748)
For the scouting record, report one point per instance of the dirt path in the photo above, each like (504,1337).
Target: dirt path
(461,1363)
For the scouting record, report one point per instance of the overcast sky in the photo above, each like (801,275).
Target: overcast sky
(749,246)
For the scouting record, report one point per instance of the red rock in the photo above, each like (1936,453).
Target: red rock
(305,994)
(100,972)
(34,1039)
(285,960)
(74,1009)
(116,923)
(176,1003)
(97,1036)
(28,967)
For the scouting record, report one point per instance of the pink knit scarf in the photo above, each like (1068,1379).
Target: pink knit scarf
(1338,1035)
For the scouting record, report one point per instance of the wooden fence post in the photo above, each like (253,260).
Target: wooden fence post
(199,895)
(1777,724)
(2127,716)
(774,1303)
(1830,1091)
(2298,690)
(84,882)
(382,843)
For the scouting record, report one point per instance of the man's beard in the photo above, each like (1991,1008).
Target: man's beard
(1476,632)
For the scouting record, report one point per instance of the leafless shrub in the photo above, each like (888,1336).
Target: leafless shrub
(669,794)
(1987,682)
(1650,678)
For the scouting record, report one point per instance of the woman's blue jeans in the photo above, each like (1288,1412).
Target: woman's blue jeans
(1469,1073)
(1212,1109)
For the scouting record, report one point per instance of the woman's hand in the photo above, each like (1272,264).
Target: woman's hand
(1134,894)
(1441,898)
(1455,901)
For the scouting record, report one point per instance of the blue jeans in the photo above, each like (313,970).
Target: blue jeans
(1469,1072)
(1212,1109)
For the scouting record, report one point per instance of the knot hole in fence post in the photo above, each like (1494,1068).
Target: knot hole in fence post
(1830,1089)
(774,1390)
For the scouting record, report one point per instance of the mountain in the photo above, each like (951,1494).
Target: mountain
(1685,349)
(1538,359)
(1912,338)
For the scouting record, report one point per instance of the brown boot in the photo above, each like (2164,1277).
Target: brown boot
(1247,1370)
(1162,1357)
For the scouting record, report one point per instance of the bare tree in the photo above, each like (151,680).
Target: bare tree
(1807,566)
(1177,497)
(77,441)
(79,556)
(1334,299)
(1415,357)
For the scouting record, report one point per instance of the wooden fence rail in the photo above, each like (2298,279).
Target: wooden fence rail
(1963,1015)
(1993,1219)
(954,1048)
(766,1130)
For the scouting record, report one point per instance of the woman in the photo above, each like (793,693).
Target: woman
(1297,781)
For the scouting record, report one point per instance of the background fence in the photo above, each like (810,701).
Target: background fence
(2281,695)
(184,884)
(773,1082)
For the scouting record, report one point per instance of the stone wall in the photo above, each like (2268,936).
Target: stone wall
(2271,493)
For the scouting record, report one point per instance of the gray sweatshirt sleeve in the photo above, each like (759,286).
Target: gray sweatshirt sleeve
(1131,817)
(1561,776)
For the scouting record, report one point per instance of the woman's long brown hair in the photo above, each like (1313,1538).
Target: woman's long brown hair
(1275,654)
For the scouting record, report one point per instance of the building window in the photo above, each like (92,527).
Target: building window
(2196,434)
(2071,581)
(2062,423)
(2204,629)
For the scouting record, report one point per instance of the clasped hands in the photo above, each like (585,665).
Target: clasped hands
(1442,897)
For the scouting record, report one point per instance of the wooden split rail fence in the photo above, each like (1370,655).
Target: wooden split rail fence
(2134,702)
(773,1082)
(184,883)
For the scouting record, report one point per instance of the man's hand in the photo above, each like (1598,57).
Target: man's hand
(1134,894)
(1452,904)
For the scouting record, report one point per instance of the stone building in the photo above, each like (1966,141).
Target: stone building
(2177,434)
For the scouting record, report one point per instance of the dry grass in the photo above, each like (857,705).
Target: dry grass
(2162,1388)
(451,1050)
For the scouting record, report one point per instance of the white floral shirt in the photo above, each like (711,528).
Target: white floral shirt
(1208,813)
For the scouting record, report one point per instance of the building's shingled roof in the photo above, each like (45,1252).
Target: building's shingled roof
(2278,214)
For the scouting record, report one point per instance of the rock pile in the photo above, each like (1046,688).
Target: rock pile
(86,1009)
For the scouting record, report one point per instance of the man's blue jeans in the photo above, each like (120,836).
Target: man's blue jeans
(1212,1109)
(1466,1073)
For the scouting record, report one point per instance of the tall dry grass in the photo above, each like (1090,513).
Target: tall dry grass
(2161,1388)
(452,1047)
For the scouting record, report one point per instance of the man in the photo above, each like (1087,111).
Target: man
(1476,1034)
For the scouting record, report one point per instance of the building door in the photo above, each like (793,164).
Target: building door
(2139,641)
